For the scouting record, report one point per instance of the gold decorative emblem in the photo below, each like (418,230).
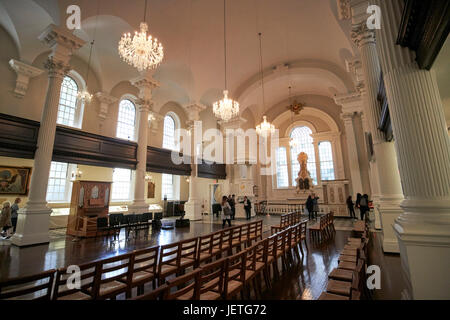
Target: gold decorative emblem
(296,107)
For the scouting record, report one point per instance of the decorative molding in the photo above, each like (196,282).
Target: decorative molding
(344,10)
(361,34)
(193,111)
(350,102)
(105,100)
(24,73)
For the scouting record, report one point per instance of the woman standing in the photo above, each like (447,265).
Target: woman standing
(316,206)
(309,206)
(226,212)
(5,220)
(351,208)
(247,207)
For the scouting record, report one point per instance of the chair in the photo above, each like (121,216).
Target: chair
(272,255)
(217,244)
(144,268)
(236,239)
(225,241)
(205,249)
(210,281)
(254,268)
(87,278)
(330,296)
(35,287)
(263,260)
(281,249)
(156,294)
(168,261)
(188,254)
(185,287)
(316,231)
(234,275)
(109,278)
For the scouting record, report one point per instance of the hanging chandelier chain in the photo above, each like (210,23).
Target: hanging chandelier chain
(262,70)
(225,39)
(145,11)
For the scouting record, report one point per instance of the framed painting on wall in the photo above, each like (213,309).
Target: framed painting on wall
(14,180)
(151,190)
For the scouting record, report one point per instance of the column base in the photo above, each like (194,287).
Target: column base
(32,225)
(388,211)
(138,207)
(423,231)
(193,210)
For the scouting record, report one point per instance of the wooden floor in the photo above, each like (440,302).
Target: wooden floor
(307,279)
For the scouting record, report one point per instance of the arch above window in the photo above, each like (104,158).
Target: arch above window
(126,121)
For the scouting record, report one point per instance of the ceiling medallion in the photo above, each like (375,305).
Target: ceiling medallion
(141,51)
(296,107)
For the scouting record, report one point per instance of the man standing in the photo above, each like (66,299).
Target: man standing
(232,203)
(14,213)
(247,208)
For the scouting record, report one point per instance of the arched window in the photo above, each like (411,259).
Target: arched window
(170,140)
(67,110)
(326,161)
(126,121)
(282,169)
(303,143)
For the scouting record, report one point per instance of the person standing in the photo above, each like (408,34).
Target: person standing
(309,206)
(226,212)
(315,206)
(5,220)
(15,213)
(351,208)
(364,206)
(247,208)
(233,206)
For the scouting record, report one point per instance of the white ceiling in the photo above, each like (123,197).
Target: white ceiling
(303,33)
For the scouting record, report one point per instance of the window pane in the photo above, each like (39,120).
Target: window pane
(67,102)
(326,161)
(302,136)
(56,190)
(121,184)
(167,186)
(169,138)
(126,120)
(282,169)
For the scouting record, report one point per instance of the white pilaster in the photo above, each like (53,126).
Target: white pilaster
(33,219)
(145,83)
(423,154)
(24,73)
(193,207)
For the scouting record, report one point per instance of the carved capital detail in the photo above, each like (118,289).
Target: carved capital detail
(56,68)
(24,73)
(362,35)
(344,10)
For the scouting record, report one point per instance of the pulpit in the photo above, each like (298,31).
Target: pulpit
(90,201)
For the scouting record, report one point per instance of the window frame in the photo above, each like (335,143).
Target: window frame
(285,168)
(311,153)
(79,104)
(329,160)
(130,186)
(67,183)
(176,133)
(131,99)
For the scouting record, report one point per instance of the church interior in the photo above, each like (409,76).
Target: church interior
(225,149)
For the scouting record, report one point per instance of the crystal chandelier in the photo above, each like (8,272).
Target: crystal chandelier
(141,51)
(225,109)
(265,128)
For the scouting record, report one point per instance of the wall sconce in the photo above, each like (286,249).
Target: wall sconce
(76,175)
(148,177)
(188,180)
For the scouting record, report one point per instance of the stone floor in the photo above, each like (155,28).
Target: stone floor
(304,280)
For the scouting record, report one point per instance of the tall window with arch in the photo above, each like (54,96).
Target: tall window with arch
(303,143)
(126,122)
(170,139)
(68,103)
(326,161)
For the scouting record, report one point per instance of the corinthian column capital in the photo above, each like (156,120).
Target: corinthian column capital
(362,35)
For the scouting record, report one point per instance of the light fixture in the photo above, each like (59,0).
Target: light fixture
(77,174)
(148,177)
(225,109)
(264,128)
(141,51)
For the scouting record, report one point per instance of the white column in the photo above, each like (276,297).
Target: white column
(193,207)
(105,100)
(316,153)
(33,220)
(145,83)
(383,164)
(423,153)
(350,135)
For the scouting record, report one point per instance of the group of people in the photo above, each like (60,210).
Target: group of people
(228,205)
(8,218)
(362,203)
(312,206)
